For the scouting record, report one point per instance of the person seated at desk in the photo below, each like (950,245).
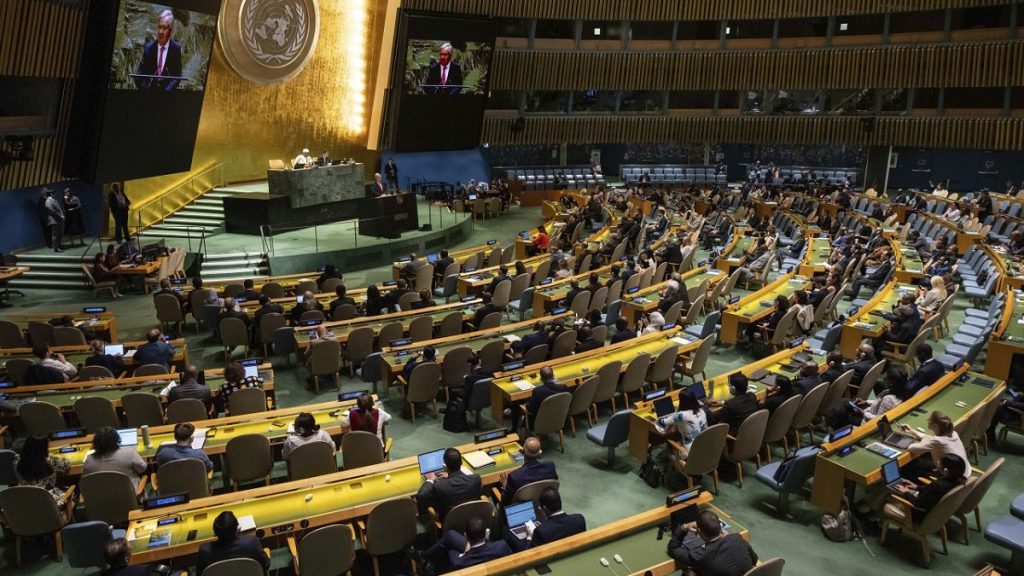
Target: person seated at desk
(920,499)
(305,430)
(928,372)
(687,423)
(324,159)
(391,300)
(650,323)
(500,277)
(428,354)
(182,447)
(190,387)
(585,341)
(233,310)
(109,456)
(574,291)
(539,243)
(367,417)
(309,302)
(99,357)
(671,293)
(902,331)
(375,303)
(154,351)
(538,337)
(558,524)
(425,301)
(752,267)
(943,440)
(103,272)
(563,271)
(794,250)
(50,367)
(230,544)
(447,489)
(533,470)
(443,262)
(329,272)
(921,244)
(165,288)
(864,360)
(736,409)
(412,267)
(930,300)
(456,551)
(267,306)
(476,373)
(766,328)
(549,386)
(874,280)
(804,320)
(35,466)
(622,331)
(249,290)
(341,298)
(780,391)
(1016,244)
(117,553)
(834,367)
(235,380)
(303,160)
(488,307)
(706,547)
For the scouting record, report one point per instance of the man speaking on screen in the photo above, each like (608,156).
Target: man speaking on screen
(162,57)
(444,76)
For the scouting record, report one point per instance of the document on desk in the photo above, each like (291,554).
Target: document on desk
(523,385)
(479,459)
(246,523)
(199,438)
(129,353)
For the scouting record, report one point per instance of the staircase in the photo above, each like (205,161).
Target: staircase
(206,211)
(235,265)
(51,270)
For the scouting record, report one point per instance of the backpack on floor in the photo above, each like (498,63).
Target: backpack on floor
(455,415)
(651,473)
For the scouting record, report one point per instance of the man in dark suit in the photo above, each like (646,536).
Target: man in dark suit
(191,388)
(443,262)
(231,310)
(574,290)
(872,280)
(428,354)
(391,174)
(549,386)
(809,377)
(622,331)
(447,489)
(533,470)
(249,290)
(119,205)
(501,276)
(482,312)
(266,307)
(229,544)
(340,291)
(161,57)
(117,552)
(586,341)
(154,351)
(464,551)
(705,547)
(742,404)
(673,254)
(476,373)
(445,76)
(377,188)
(536,338)
(863,361)
(559,524)
(928,372)
(401,289)
(902,331)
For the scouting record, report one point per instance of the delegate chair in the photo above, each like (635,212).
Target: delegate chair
(550,418)
(248,459)
(389,528)
(110,496)
(360,449)
(95,412)
(84,542)
(747,443)
(41,418)
(312,459)
(704,455)
(186,410)
(183,475)
(611,433)
(247,401)
(801,469)
(898,514)
(327,550)
(142,409)
(234,567)
(423,387)
(32,511)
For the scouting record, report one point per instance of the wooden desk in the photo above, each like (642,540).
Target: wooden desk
(1008,338)
(634,539)
(550,227)
(867,323)
(472,283)
(959,400)
(818,253)
(139,269)
(11,272)
(102,325)
(909,267)
(548,296)
(343,328)
(649,299)
(732,257)
(301,504)
(642,427)
(456,255)
(571,370)
(78,354)
(753,307)
(272,424)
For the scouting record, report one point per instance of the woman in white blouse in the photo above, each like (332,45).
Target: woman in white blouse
(952,213)
(305,430)
(930,300)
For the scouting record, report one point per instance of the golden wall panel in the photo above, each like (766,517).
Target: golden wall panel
(984,64)
(983,133)
(685,9)
(243,125)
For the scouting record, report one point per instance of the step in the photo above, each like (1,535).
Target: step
(207,265)
(188,220)
(57,275)
(235,256)
(166,233)
(204,201)
(23,282)
(216,210)
(235,272)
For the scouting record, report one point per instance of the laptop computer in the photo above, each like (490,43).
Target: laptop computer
(892,478)
(129,436)
(432,258)
(252,371)
(431,462)
(891,437)
(664,406)
(840,433)
(518,516)
(114,349)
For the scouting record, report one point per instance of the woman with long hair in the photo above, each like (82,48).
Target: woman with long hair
(36,467)
(305,430)
(367,417)
(374,302)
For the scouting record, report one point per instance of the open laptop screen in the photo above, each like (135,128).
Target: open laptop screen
(519,514)
(431,461)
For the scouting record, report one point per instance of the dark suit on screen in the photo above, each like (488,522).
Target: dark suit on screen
(453,84)
(172,67)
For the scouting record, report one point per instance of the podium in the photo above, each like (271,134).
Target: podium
(388,216)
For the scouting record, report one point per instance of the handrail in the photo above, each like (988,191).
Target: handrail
(157,209)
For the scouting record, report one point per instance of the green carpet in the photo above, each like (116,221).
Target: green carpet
(588,486)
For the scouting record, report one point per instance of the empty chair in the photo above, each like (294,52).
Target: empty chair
(186,410)
(422,387)
(771,567)
(421,328)
(492,320)
(800,470)
(564,344)
(94,373)
(11,336)
(247,401)
(535,354)
(95,412)
(248,459)
(359,449)
(17,368)
(479,397)
(312,459)
(234,567)
(183,475)
(329,550)
(71,336)
(168,311)
(611,433)
(747,443)
(324,360)
(84,542)
(151,370)
(807,411)
(31,511)
(704,455)
(582,400)
(272,290)
(551,416)
(389,528)
(269,324)
(358,346)
(40,333)
(109,496)
(389,333)
(142,409)
(607,384)
(633,377)
(41,418)
(661,370)
(233,333)
(695,364)
(454,368)
(779,424)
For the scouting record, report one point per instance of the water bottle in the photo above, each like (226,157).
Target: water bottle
(145,435)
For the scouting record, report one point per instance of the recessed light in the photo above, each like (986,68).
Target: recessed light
(844,26)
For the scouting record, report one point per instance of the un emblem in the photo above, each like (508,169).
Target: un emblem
(268,41)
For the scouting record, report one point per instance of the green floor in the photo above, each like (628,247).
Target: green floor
(588,486)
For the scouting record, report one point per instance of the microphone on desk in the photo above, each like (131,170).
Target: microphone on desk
(604,562)
(304,523)
(623,562)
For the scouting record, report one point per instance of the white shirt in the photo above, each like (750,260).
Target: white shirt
(295,440)
(689,424)
(304,159)
(939,446)
(66,368)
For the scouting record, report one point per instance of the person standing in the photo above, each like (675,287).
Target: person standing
(391,174)
(161,65)
(44,222)
(55,218)
(75,224)
(119,206)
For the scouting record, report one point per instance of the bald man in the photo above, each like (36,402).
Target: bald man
(533,470)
